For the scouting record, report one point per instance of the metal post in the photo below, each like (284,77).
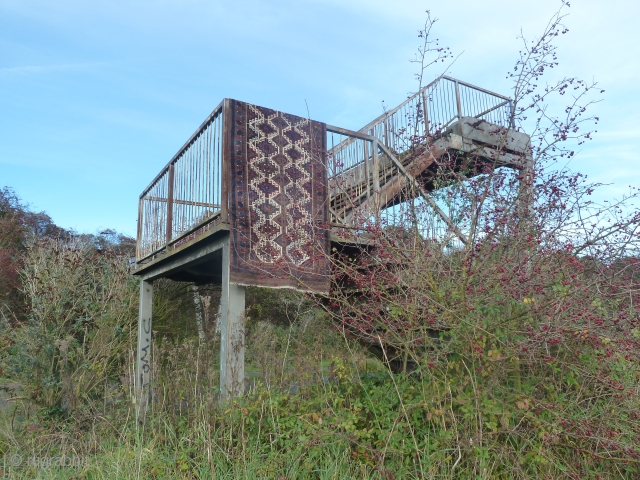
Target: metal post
(426,113)
(512,116)
(525,194)
(143,355)
(226,159)
(386,132)
(231,333)
(376,178)
(526,211)
(140,230)
(367,174)
(458,104)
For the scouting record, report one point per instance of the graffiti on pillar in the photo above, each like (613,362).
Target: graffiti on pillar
(144,351)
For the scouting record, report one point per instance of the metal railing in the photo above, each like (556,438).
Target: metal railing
(359,162)
(434,108)
(350,169)
(187,193)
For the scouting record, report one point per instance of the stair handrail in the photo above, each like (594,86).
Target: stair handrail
(424,89)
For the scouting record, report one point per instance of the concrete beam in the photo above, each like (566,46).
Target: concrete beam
(479,130)
(187,259)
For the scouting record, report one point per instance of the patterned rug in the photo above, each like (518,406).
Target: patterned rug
(278,200)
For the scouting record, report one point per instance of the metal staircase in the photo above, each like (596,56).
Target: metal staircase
(395,157)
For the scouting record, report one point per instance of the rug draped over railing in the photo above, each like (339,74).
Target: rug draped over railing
(277,200)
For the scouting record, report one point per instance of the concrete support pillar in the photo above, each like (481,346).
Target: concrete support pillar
(526,211)
(231,333)
(525,194)
(143,353)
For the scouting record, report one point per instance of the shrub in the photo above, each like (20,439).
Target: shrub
(82,307)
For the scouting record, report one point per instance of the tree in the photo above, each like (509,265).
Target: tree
(17,224)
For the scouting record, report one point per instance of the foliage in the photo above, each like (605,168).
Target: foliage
(82,305)
(346,424)
(17,224)
(276,306)
(523,315)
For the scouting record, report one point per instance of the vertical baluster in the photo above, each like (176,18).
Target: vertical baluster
(451,101)
(200,175)
(425,113)
(220,159)
(170,204)
(139,228)
(196,181)
(512,122)
(386,131)
(216,160)
(226,155)
(161,227)
(197,178)
(189,180)
(191,175)
(366,166)
(473,101)
(487,106)
(376,177)
(209,170)
(175,208)
(203,180)
(184,192)
(212,147)
(177,192)
(440,104)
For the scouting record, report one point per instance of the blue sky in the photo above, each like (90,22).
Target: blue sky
(96,96)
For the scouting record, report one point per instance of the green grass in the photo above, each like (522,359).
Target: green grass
(378,427)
